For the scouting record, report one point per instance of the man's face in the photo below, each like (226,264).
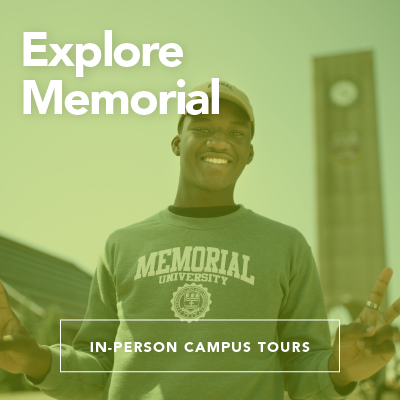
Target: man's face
(214,148)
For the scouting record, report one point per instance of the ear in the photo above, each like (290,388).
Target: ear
(175,145)
(251,154)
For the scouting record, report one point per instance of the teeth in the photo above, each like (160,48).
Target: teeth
(216,160)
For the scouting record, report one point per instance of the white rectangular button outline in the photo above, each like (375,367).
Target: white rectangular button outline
(200,320)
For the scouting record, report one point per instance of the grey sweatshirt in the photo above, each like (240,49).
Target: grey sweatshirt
(194,278)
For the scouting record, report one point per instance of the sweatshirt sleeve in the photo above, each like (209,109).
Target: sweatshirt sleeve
(305,301)
(74,382)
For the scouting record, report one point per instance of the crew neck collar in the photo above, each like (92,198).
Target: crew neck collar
(204,223)
(204,212)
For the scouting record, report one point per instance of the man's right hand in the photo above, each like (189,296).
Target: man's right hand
(19,351)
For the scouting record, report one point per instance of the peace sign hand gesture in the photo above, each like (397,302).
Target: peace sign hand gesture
(366,345)
(19,351)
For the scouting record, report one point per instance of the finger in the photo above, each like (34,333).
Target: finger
(382,335)
(355,331)
(3,297)
(379,289)
(386,348)
(392,312)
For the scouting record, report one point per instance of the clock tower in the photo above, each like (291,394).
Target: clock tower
(350,226)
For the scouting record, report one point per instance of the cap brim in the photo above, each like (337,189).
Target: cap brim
(233,99)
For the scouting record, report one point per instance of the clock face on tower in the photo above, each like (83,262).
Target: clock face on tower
(343,93)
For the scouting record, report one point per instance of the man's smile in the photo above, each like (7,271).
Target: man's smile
(216,161)
(216,164)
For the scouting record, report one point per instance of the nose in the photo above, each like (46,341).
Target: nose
(218,141)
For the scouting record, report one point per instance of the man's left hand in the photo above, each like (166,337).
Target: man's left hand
(366,345)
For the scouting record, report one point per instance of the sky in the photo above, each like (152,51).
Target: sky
(68,181)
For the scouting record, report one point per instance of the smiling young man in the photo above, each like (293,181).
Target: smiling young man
(213,150)
(205,271)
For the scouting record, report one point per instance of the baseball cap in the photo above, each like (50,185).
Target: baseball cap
(229,92)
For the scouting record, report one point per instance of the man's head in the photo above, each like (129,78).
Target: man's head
(214,148)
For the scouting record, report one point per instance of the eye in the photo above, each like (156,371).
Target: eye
(236,133)
(202,130)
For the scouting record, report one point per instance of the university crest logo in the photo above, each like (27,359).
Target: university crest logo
(191,302)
